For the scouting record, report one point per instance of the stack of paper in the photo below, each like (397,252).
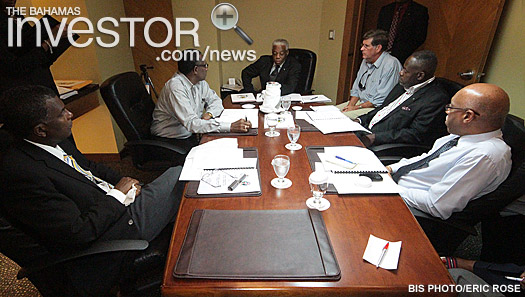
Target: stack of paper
(233,115)
(294,97)
(219,162)
(74,84)
(242,98)
(329,119)
(228,87)
(66,92)
(345,163)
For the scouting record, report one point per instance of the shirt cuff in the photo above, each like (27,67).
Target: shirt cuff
(225,127)
(117,195)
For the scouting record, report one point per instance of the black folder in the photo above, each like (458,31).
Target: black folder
(193,186)
(251,132)
(257,245)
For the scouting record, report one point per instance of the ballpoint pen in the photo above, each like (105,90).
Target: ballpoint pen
(518,279)
(383,252)
(236,182)
(341,158)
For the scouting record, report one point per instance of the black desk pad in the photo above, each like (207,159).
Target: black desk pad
(257,245)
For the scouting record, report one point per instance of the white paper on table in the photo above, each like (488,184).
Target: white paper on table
(333,122)
(325,108)
(294,97)
(366,159)
(259,98)
(349,183)
(315,98)
(233,115)
(285,121)
(217,148)
(249,184)
(242,97)
(375,247)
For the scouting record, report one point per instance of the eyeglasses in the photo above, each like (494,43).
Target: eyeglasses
(202,65)
(362,86)
(448,107)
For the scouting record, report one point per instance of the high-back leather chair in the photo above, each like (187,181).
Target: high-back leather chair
(447,235)
(308,60)
(132,107)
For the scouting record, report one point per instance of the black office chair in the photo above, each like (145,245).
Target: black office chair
(46,270)
(132,107)
(447,235)
(308,60)
(393,152)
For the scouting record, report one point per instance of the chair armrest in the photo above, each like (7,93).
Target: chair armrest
(449,222)
(404,150)
(387,160)
(96,248)
(157,144)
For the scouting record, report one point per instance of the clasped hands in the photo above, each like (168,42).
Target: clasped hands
(126,183)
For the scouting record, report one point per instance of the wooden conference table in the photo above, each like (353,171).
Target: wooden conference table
(349,221)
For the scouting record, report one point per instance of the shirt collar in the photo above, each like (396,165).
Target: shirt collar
(473,138)
(185,80)
(379,60)
(417,87)
(56,151)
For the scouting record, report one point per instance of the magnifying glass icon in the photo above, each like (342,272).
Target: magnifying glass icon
(224,16)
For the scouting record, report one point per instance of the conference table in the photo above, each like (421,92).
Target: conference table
(350,220)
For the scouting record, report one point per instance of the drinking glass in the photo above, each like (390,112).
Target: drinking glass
(271,121)
(318,185)
(293,134)
(281,165)
(286,102)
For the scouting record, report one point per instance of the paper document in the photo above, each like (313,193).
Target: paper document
(321,108)
(332,121)
(232,87)
(374,249)
(294,97)
(218,181)
(315,98)
(66,92)
(284,121)
(72,83)
(232,115)
(243,97)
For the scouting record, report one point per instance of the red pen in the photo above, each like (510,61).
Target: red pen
(383,252)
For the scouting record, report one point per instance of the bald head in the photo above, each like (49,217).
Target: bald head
(489,101)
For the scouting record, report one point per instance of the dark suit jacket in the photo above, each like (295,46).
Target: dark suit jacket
(23,67)
(418,120)
(411,32)
(288,75)
(63,210)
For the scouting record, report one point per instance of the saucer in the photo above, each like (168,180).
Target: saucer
(266,109)
(296,108)
(248,106)
(325,204)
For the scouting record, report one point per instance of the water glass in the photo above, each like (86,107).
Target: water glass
(286,102)
(293,135)
(271,120)
(281,166)
(318,185)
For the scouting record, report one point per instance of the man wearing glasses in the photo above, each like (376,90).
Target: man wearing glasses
(470,162)
(187,105)
(377,76)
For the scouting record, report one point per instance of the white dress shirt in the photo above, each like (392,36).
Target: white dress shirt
(59,153)
(475,167)
(386,110)
(179,109)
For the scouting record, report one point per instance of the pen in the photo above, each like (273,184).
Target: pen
(236,182)
(315,97)
(383,252)
(341,158)
(518,279)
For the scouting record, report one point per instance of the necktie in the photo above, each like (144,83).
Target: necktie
(274,73)
(99,182)
(416,165)
(393,27)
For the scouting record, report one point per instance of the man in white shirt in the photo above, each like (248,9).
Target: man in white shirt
(377,76)
(187,105)
(465,165)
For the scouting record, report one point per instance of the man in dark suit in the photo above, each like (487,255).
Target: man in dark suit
(277,67)
(413,112)
(52,192)
(406,23)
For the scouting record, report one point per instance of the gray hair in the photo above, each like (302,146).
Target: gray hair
(281,42)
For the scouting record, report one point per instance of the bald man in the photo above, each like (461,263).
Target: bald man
(470,162)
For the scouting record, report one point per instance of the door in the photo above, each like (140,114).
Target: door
(460,32)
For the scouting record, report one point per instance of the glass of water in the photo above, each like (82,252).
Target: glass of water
(318,185)
(286,102)
(281,165)
(271,120)
(293,134)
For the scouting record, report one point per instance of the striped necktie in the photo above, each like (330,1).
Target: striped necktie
(419,164)
(99,182)
(274,73)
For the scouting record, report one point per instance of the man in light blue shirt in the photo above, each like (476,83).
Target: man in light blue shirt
(377,76)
